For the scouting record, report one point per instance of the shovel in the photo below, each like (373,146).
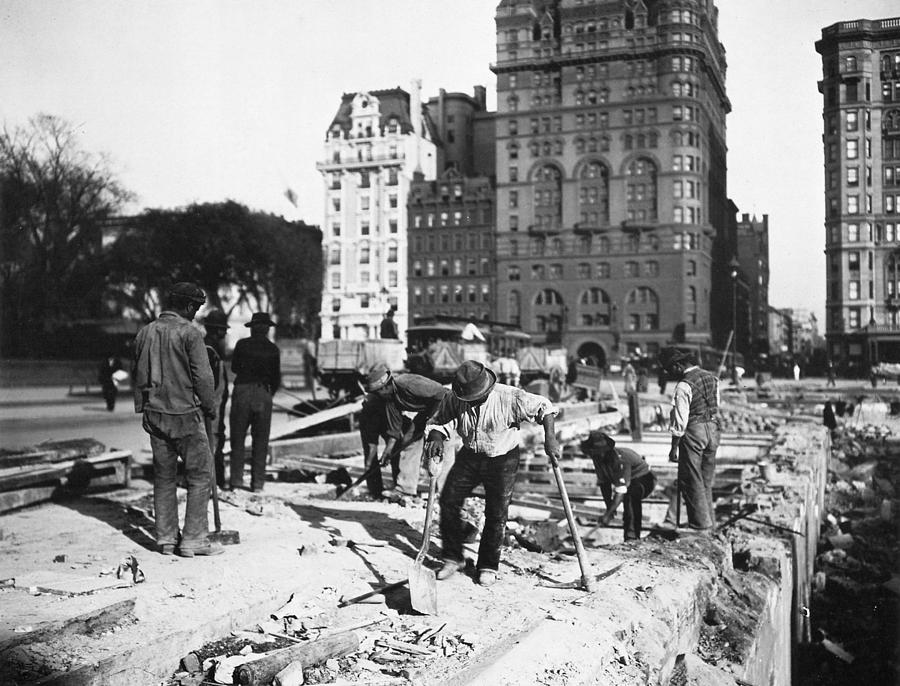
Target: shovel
(229,536)
(422,582)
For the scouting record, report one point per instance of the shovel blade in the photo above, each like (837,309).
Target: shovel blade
(225,537)
(422,589)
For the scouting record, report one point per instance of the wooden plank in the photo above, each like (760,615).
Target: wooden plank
(88,622)
(48,581)
(11,500)
(20,478)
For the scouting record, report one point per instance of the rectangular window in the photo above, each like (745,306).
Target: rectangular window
(852,149)
(364,228)
(853,290)
(514,199)
(392,253)
(852,176)
(852,120)
(335,279)
(852,204)
(364,202)
(853,232)
(392,278)
(335,229)
(677,189)
(853,319)
(853,261)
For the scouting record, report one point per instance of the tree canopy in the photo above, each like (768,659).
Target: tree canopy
(54,200)
(238,256)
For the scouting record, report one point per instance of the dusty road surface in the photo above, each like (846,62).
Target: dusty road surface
(519,632)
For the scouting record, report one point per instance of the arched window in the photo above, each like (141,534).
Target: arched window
(548,312)
(642,309)
(594,308)
(593,192)
(548,197)
(641,191)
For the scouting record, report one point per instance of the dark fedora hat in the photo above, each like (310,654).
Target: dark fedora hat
(376,378)
(260,318)
(473,381)
(597,440)
(670,355)
(188,291)
(215,319)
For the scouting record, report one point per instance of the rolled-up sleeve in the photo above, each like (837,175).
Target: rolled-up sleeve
(444,418)
(681,405)
(531,407)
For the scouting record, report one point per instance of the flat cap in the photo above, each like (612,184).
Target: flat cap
(189,291)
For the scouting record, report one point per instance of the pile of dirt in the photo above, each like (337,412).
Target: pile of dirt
(855,612)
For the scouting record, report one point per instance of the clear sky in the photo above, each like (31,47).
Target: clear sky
(203,100)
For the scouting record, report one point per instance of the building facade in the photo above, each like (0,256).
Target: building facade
(374,145)
(861,117)
(611,175)
(752,331)
(451,218)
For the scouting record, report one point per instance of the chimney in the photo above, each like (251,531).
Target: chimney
(481,97)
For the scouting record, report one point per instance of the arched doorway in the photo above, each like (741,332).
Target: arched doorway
(593,353)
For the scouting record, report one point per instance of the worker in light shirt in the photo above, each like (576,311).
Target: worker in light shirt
(486,415)
(694,425)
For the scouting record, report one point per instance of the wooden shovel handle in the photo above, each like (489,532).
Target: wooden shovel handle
(429,516)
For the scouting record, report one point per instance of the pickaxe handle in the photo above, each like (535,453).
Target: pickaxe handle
(586,579)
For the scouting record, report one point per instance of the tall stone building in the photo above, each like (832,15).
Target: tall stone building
(451,218)
(861,117)
(752,317)
(611,175)
(373,146)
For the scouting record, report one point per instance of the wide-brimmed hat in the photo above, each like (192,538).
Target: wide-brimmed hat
(669,356)
(473,381)
(215,319)
(597,440)
(260,318)
(376,378)
(188,291)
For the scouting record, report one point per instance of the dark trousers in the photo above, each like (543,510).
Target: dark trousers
(251,407)
(110,391)
(632,508)
(215,434)
(498,476)
(696,471)
(193,448)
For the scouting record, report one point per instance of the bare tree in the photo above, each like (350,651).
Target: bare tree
(54,200)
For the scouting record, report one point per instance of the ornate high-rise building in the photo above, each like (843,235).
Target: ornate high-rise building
(861,117)
(374,145)
(611,174)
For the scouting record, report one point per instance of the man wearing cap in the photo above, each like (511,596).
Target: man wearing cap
(624,477)
(256,364)
(486,415)
(388,397)
(173,388)
(694,425)
(216,325)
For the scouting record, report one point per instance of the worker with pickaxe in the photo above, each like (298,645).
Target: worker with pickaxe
(624,478)
(388,396)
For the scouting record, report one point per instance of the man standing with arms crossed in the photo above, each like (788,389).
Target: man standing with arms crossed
(173,388)
(256,364)
(694,425)
(216,325)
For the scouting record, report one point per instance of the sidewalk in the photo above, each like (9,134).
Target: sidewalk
(25,396)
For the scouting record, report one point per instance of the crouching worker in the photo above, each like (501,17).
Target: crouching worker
(624,477)
(486,415)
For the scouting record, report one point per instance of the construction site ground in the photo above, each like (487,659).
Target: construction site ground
(294,548)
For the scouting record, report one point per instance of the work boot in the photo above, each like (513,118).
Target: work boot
(488,577)
(450,568)
(208,549)
(167,549)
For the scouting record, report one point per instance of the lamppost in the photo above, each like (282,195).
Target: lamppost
(735,265)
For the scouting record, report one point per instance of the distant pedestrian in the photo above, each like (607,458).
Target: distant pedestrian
(630,377)
(828,418)
(173,388)
(216,325)
(256,364)
(110,367)
(873,376)
(662,380)
(831,374)
(388,327)
(796,372)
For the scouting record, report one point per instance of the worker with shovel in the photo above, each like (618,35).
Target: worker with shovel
(388,396)
(486,415)
(624,477)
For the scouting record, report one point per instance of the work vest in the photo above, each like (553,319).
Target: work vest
(703,395)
